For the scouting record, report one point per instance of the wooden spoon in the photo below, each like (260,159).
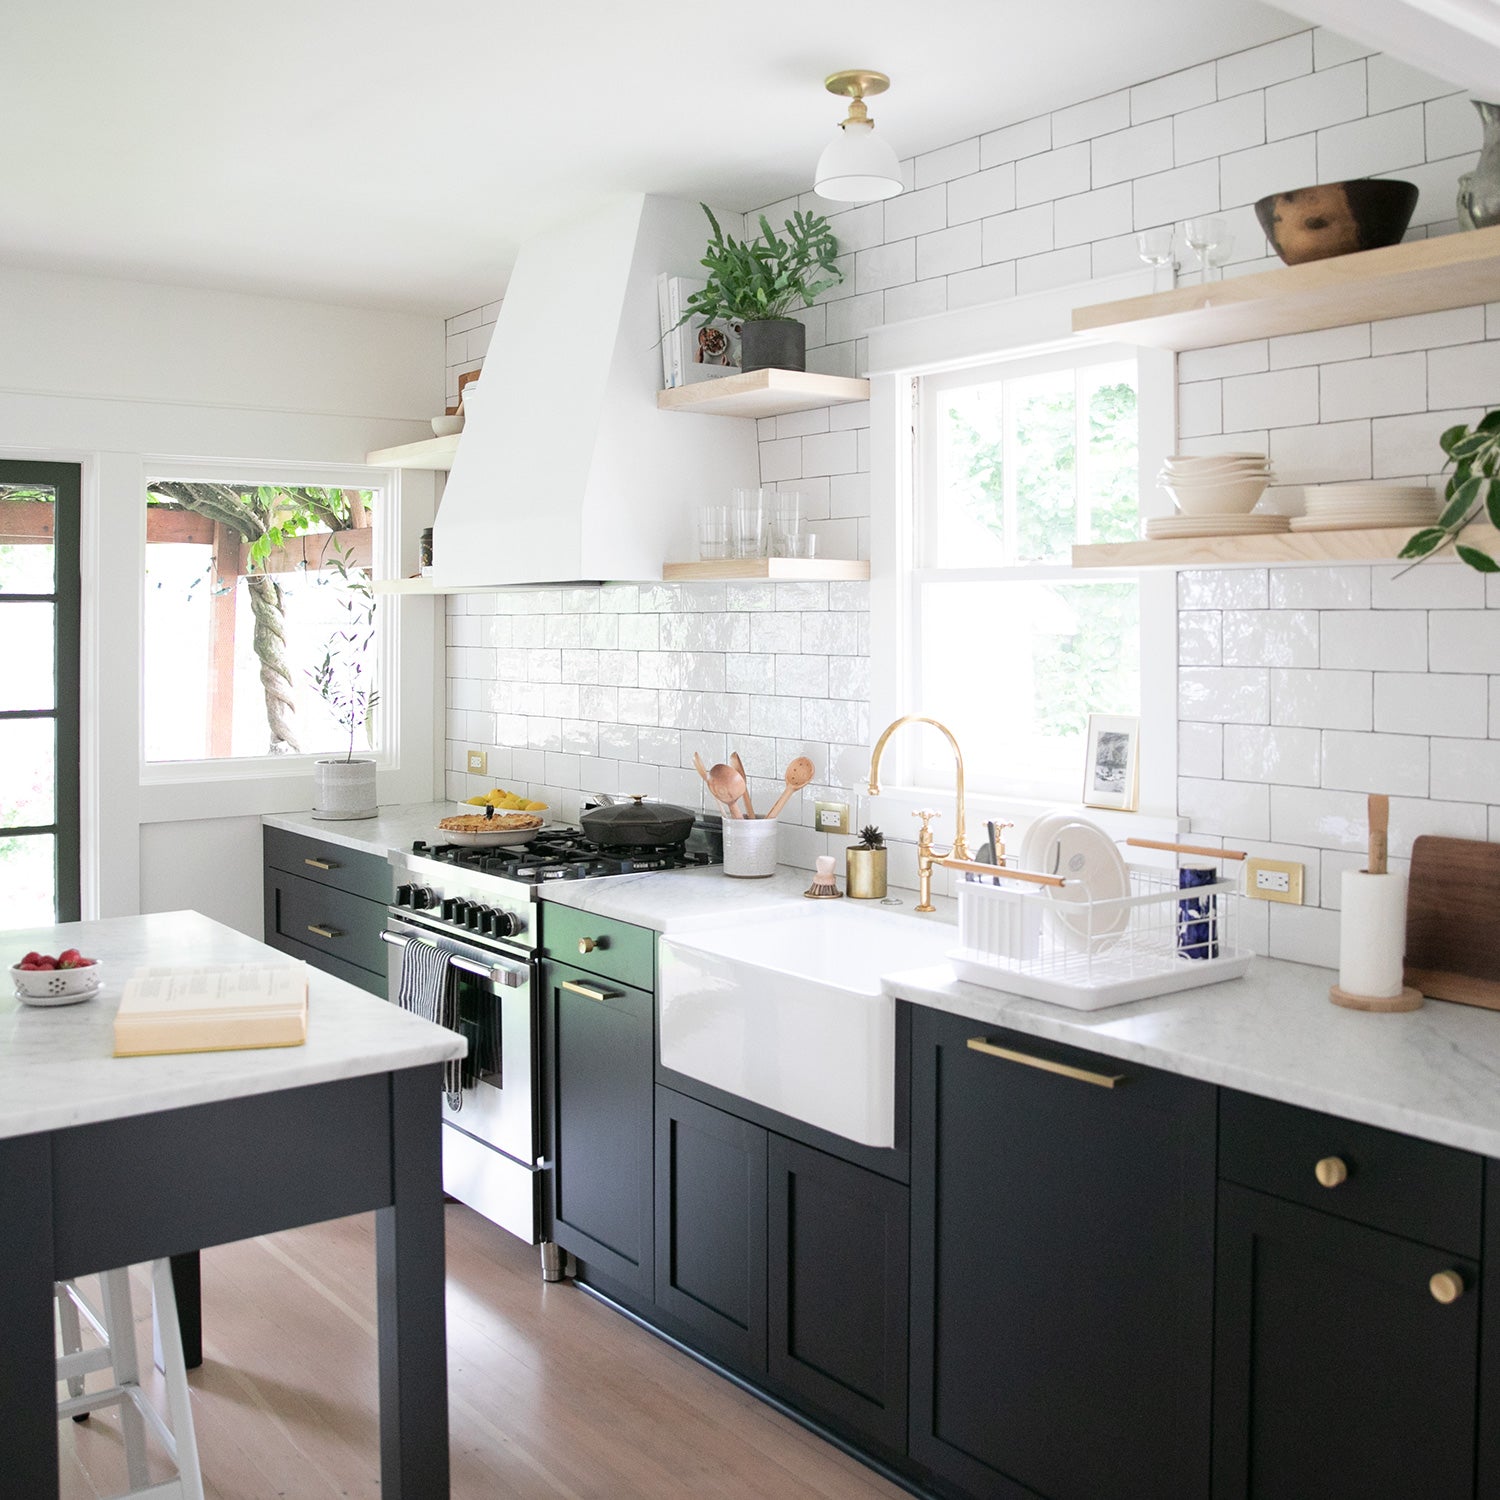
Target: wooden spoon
(798,774)
(728,786)
(702,770)
(734,757)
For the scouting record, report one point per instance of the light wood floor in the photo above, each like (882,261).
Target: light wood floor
(552,1395)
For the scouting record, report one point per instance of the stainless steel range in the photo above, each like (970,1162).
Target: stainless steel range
(482,906)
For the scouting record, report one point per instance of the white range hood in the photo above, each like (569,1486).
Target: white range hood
(566,471)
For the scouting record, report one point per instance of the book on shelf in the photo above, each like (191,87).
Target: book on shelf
(212,1009)
(696,350)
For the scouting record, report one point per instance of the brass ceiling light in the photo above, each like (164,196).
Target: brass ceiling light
(857,166)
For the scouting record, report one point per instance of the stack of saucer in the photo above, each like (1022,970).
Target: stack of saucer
(1214,494)
(1349,507)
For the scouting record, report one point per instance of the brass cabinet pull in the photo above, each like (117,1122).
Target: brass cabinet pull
(1446,1286)
(1063,1070)
(324,932)
(321,864)
(1331,1171)
(587,945)
(588,994)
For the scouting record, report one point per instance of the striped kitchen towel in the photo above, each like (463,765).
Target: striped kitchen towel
(427,989)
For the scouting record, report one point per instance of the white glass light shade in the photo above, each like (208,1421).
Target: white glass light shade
(857,166)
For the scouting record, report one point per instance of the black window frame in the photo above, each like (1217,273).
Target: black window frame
(66,483)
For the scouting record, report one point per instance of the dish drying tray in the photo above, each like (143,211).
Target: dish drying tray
(1039,936)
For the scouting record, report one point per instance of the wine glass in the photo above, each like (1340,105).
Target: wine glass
(1155,248)
(1201,234)
(1218,253)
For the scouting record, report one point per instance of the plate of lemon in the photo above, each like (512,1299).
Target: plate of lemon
(502,801)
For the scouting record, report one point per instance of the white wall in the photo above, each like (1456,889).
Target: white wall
(110,374)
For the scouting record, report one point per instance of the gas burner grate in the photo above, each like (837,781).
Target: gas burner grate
(559,855)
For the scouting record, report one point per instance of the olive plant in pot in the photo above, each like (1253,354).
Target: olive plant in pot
(756,283)
(343,786)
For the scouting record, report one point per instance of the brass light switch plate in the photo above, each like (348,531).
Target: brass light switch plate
(479,762)
(1274,880)
(831,817)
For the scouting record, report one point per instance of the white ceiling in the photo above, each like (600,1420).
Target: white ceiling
(395,152)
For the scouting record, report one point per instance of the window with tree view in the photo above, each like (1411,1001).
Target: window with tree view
(1017,463)
(258,619)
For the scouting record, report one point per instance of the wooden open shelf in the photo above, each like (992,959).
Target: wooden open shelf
(1455,270)
(1374,544)
(789,569)
(763,393)
(430,453)
(426,588)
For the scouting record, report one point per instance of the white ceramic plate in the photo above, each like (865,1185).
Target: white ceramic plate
(1356,523)
(1085,855)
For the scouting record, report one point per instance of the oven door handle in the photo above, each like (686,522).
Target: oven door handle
(508,977)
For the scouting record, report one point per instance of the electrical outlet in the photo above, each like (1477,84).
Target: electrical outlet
(1274,880)
(832,817)
(479,762)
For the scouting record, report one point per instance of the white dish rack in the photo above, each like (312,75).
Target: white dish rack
(1054,944)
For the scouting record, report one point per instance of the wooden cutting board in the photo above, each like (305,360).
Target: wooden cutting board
(1453,920)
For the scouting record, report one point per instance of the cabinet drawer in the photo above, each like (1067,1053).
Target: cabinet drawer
(1413,1188)
(376,984)
(351,870)
(613,950)
(325,920)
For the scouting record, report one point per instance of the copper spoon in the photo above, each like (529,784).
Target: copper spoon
(798,774)
(734,758)
(728,786)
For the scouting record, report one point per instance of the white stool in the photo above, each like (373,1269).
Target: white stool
(114,1323)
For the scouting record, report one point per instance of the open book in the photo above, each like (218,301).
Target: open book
(212,1009)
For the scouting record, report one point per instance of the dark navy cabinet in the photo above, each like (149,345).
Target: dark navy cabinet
(1062,1270)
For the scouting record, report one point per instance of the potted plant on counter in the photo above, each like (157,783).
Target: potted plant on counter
(756,283)
(343,786)
(865,865)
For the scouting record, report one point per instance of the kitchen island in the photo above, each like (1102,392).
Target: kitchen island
(109,1161)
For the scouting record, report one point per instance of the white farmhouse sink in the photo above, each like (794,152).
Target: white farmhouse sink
(784,1008)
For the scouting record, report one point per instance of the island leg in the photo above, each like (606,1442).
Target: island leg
(28,1384)
(409,1273)
(187,1287)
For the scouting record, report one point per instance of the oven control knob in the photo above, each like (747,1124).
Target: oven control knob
(474,917)
(450,907)
(403,895)
(487,916)
(507,924)
(422,897)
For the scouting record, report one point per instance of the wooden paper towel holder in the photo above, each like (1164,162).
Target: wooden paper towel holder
(1407,998)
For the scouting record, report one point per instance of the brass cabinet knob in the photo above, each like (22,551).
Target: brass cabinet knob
(1446,1286)
(585,945)
(1331,1171)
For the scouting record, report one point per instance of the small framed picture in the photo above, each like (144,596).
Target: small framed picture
(1110,768)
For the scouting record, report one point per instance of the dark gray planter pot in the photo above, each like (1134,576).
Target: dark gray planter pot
(773,344)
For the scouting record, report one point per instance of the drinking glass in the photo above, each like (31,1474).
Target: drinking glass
(787,522)
(747,523)
(1218,253)
(804,544)
(713,532)
(1201,234)
(1155,248)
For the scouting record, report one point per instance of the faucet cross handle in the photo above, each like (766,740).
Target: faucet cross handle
(924,839)
(1000,830)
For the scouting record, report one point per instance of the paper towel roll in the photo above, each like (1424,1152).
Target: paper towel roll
(1372,934)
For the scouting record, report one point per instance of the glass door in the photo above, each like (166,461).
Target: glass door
(39,629)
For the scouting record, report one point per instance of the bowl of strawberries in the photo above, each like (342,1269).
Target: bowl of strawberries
(41,979)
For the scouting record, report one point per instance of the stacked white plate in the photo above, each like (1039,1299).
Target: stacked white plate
(1214,491)
(1349,507)
(1162,528)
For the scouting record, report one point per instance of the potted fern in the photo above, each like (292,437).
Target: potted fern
(343,786)
(1472,493)
(757,283)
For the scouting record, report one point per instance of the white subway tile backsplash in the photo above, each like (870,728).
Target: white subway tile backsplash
(1375,640)
(1320,347)
(1321,698)
(944,252)
(1276,754)
(992,191)
(911,214)
(1232,809)
(1379,387)
(1258,67)
(1325,453)
(1183,90)
(1465,769)
(1282,398)
(1441,584)
(1027,231)
(1224,695)
(1270,638)
(1458,325)
(1028,138)
(1053,174)
(1320,588)
(1407,446)
(1453,127)
(1222,588)
(987,284)
(1200,750)
(957,160)
(1092,216)
(1380,143)
(1393,84)
(1318,818)
(1200,409)
(1464,375)
(1229,359)
(1126,154)
(885,265)
(1233,124)
(1393,763)
(1446,703)
(1304,935)
(1200,638)
(1246,176)
(1329,97)
(1038,273)
(1094,117)
(1464,640)
(1182,193)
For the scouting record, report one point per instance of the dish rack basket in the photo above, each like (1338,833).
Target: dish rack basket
(1042,937)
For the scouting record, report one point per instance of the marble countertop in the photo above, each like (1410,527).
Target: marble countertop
(56,1067)
(392,828)
(1432,1073)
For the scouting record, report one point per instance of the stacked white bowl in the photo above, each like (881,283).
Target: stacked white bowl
(1214,494)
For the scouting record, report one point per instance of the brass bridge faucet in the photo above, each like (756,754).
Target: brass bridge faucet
(958,856)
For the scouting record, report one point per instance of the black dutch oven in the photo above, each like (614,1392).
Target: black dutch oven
(638,824)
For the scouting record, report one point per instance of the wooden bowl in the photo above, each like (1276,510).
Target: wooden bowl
(1337,218)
